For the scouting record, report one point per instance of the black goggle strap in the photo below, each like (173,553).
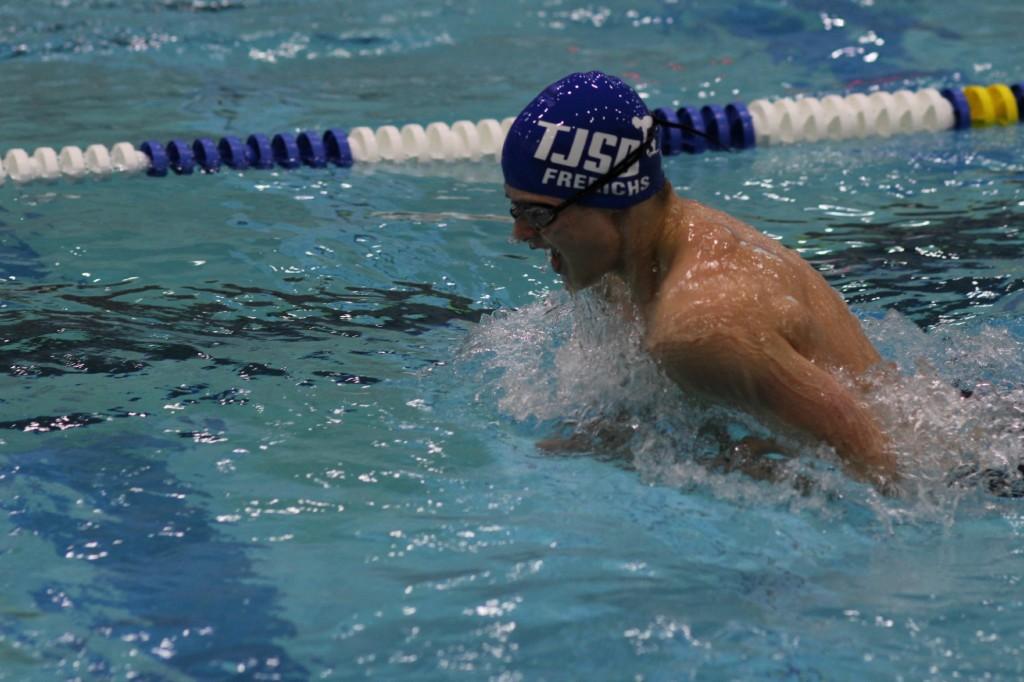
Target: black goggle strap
(688,129)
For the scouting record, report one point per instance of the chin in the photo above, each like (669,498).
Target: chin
(575,286)
(576,281)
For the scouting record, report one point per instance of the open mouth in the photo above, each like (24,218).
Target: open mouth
(556,261)
(555,255)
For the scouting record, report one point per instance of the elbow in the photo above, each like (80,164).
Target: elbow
(657,347)
(866,449)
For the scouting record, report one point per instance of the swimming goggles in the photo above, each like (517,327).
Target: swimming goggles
(539,216)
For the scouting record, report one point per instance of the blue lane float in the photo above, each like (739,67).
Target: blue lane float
(233,153)
(741,126)
(671,138)
(961,109)
(693,143)
(206,155)
(259,151)
(180,154)
(286,151)
(717,126)
(338,150)
(311,150)
(158,161)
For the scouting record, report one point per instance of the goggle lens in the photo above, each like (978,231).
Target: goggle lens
(537,216)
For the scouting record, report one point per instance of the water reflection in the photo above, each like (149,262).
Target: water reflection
(929,263)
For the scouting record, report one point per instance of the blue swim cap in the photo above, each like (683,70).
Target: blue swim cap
(574,132)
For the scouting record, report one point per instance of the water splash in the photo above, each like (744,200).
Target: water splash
(573,372)
(958,403)
(576,368)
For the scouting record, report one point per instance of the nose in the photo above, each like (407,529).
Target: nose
(522,232)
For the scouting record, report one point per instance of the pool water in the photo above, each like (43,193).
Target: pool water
(284,425)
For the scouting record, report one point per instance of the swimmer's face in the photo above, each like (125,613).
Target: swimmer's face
(584,242)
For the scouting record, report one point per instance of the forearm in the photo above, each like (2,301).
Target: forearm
(833,415)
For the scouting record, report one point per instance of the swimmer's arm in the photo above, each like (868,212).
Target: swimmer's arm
(766,375)
(607,435)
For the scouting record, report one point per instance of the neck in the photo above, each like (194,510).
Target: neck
(649,245)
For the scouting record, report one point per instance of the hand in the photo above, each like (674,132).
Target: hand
(604,436)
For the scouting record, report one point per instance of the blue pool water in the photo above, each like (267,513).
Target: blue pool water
(284,425)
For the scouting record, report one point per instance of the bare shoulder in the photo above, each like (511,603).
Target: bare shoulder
(706,324)
(730,285)
(724,269)
(697,304)
(712,224)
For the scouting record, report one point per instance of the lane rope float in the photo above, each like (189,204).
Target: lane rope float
(734,126)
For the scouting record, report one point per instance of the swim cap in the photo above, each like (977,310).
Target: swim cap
(574,132)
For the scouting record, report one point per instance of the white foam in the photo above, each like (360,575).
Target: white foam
(576,366)
(933,426)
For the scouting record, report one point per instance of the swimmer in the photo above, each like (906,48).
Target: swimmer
(728,313)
